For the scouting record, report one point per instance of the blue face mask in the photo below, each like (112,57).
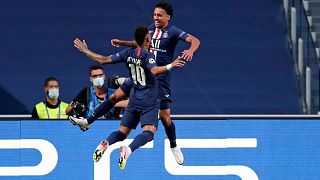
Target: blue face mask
(53,93)
(99,81)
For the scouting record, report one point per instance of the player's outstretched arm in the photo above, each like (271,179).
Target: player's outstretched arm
(161,69)
(83,47)
(194,45)
(118,43)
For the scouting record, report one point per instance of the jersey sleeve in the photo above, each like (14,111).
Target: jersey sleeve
(120,56)
(151,62)
(180,34)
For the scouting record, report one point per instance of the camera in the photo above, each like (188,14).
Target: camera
(78,109)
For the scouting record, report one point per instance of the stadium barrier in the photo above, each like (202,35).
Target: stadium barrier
(223,147)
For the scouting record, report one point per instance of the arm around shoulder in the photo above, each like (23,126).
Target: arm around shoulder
(118,43)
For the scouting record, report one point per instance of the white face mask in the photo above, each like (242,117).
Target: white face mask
(53,93)
(99,81)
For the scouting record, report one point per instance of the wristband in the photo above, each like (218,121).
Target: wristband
(169,66)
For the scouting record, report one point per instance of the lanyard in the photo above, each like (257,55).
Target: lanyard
(97,101)
(58,115)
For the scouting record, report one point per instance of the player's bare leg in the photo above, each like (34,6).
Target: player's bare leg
(171,133)
(114,137)
(141,139)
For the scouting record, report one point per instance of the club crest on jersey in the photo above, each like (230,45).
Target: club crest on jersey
(165,34)
(152,61)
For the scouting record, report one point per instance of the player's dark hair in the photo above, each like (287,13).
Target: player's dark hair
(140,34)
(95,67)
(46,82)
(165,6)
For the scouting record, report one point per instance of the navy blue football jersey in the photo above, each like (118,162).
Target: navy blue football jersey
(164,42)
(139,63)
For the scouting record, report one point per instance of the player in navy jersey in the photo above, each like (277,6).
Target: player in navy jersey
(143,104)
(164,40)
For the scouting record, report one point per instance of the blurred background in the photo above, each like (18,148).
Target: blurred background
(245,64)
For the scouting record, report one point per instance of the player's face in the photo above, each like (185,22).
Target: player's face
(160,18)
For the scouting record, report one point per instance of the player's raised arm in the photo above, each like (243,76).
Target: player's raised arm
(194,45)
(83,47)
(118,43)
(162,69)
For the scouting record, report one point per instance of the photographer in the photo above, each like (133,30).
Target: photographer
(91,97)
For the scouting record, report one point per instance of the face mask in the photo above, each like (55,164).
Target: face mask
(99,81)
(53,93)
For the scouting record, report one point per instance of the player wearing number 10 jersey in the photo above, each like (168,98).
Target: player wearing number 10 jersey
(165,37)
(143,105)
(164,40)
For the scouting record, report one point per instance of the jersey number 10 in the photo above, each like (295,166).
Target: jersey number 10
(138,75)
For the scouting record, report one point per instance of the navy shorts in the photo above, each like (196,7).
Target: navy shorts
(146,116)
(126,86)
(164,93)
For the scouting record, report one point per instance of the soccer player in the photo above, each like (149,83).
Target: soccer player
(143,104)
(164,40)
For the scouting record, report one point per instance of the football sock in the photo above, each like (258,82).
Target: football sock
(141,139)
(101,110)
(115,137)
(171,133)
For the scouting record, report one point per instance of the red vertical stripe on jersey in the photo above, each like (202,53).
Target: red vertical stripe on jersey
(156,37)
(138,52)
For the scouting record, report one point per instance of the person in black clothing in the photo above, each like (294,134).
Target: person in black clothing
(90,97)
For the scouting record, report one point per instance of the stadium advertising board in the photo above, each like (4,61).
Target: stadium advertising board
(213,149)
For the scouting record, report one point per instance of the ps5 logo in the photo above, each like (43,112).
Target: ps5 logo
(102,168)
(48,162)
(173,168)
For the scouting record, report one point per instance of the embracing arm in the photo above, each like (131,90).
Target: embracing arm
(161,69)
(83,47)
(118,43)
(194,45)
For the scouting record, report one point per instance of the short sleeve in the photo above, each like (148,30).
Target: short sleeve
(120,56)
(151,62)
(180,34)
